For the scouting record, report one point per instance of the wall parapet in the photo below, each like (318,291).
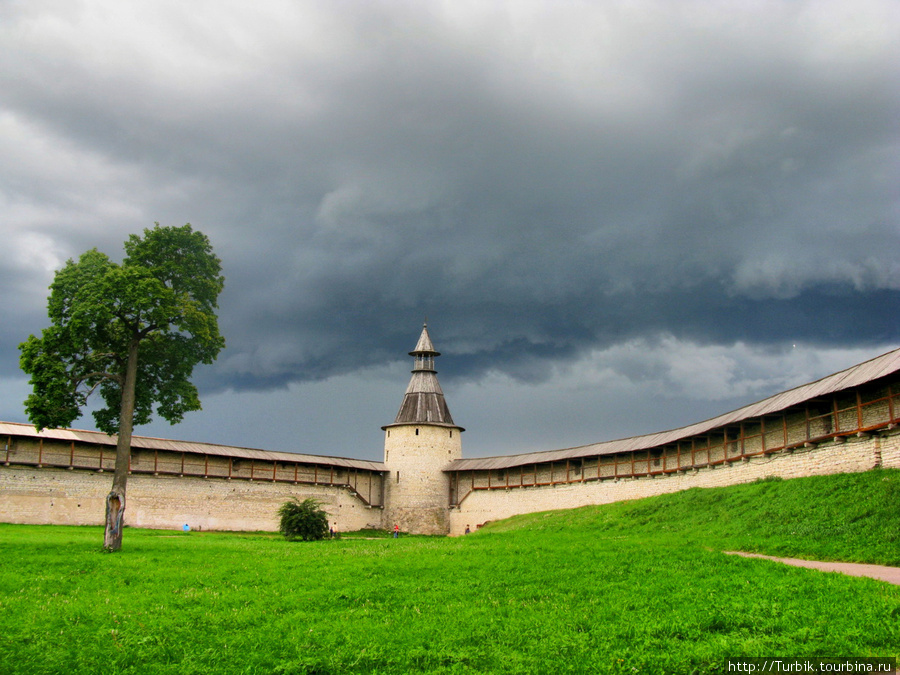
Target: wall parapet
(39,451)
(871,408)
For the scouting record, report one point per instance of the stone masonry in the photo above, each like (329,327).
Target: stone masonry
(846,422)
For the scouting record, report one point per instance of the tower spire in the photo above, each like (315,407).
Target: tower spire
(424,401)
(424,352)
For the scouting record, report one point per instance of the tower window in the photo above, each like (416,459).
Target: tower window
(417,432)
(398,476)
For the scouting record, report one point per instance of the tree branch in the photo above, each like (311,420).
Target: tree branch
(98,375)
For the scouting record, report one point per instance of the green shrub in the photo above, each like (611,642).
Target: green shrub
(303,520)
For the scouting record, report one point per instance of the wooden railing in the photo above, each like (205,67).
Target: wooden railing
(756,437)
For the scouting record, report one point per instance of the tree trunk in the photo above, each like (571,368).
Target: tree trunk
(115,500)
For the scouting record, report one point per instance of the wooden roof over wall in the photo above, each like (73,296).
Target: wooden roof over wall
(869,371)
(150,443)
(881,366)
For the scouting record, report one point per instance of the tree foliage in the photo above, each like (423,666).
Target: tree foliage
(303,520)
(132,332)
(161,301)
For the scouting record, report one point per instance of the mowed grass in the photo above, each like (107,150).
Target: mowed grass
(638,587)
(846,517)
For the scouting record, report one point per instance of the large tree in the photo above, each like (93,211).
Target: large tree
(132,332)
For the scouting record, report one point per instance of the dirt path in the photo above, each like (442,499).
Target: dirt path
(880,572)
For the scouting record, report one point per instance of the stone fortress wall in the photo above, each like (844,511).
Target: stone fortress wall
(849,430)
(843,423)
(418,446)
(853,455)
(416,485)
(45,479)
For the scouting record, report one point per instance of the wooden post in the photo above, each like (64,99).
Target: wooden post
(40,452)
(859,415)
(156,462)
(806,411)
(837,417)
(784,430)
(72,455)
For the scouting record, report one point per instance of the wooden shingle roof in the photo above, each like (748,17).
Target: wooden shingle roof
(168,445)
(871,370)
(423,402)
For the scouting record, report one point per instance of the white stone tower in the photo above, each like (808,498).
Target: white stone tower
(422,440)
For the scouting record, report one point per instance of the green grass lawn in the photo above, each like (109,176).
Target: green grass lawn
(637,587)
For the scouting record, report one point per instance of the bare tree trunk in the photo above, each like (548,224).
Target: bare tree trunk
(115,500)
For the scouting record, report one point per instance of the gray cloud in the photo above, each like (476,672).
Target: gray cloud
(541,180)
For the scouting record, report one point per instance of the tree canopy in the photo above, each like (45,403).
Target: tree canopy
(132,332)
(161,300)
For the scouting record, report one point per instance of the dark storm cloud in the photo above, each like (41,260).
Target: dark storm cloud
(542,179)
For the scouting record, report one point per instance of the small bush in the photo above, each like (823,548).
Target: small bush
(303,520)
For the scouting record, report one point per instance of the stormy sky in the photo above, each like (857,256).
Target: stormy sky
(617,217)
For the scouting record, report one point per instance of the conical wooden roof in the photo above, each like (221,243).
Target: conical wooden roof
(424,401)
(424,346)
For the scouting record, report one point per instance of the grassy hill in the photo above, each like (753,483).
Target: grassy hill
(637,587)
(845,517)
